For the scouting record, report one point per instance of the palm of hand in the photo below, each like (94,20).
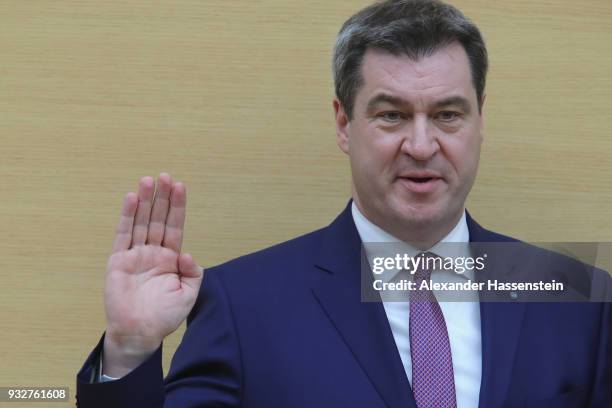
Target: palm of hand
(145,295)
(150,285)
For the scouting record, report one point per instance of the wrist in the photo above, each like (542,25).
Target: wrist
(123,354)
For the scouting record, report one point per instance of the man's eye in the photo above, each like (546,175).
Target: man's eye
(391,116)
(447,116)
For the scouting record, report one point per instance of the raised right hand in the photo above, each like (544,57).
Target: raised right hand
(150,285)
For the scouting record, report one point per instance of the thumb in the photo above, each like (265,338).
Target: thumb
(190,272)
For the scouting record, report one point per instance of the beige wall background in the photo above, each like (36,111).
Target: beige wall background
(234,99)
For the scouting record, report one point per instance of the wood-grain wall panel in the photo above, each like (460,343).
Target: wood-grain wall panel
(234,98)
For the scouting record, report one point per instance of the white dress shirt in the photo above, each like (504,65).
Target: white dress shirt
(462,318)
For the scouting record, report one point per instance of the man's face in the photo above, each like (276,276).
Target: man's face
(414,140)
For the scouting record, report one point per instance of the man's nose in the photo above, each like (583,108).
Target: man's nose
(420,141)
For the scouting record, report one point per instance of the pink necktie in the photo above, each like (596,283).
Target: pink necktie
(433,383)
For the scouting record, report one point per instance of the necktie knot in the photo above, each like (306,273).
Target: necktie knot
(425,266)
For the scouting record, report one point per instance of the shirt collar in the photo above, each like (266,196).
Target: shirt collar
(372,233)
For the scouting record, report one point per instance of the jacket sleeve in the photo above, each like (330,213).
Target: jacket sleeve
(205,370)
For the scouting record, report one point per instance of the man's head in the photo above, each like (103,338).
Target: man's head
(410,79)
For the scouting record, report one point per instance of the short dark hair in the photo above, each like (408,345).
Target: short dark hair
(417,28)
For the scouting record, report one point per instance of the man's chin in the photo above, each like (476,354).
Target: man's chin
(426,217)
(418,212)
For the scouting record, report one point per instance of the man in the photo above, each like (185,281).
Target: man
(286,326)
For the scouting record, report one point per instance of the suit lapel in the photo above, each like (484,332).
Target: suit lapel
(363,326)
(500,325)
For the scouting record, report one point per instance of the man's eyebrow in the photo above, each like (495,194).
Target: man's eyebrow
(459,101)
(385,98)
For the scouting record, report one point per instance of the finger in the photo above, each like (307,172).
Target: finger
(173,233)
(123,236)
(141,221)
(191,273)
(159,213)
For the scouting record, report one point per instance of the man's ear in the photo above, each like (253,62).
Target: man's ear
(342,124)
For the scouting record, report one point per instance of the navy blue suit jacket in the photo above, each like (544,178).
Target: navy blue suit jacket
(285,327)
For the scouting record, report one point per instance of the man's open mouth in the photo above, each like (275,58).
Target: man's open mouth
(424,184)
(420,179)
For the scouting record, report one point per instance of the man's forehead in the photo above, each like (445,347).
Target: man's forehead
(447,67)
